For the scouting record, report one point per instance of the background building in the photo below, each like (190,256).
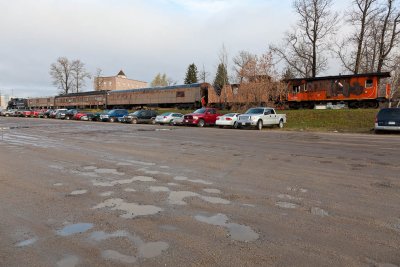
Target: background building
(119,82)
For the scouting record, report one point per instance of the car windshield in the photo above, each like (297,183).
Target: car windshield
(200,111)
(136,113)
(255,111)
(389,114)
(166,114)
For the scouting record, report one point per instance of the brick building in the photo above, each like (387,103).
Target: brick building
(118,82)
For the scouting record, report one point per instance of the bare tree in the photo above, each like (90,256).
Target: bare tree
(389,31)
(395,83)
(203,74)
(60,72)
(242,62)
(361,17)
(304,46)
(79,74)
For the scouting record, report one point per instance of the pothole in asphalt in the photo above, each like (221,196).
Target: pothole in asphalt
(68,261)
(237,232)
(75,229)
(286,205)
(27,242)
(116,256)
(131,210)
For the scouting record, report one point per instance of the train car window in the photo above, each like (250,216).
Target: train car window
(369,83)
(180,94)
(296,89)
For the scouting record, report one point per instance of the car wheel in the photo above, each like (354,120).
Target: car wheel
(201,123)
(153,121)
(67,118)
(280,125)
(111,120)
(259,125)
(235,125)
(134,121)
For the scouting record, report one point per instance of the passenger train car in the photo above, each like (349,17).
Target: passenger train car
(181,96)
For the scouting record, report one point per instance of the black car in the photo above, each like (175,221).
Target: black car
(141,116)
(388,119)
(70,114)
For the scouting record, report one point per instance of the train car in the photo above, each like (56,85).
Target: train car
(40,102)
(92,99)
(188,95)
(357,91)
(17,103)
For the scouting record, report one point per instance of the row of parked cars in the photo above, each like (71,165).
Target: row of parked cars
(256,117)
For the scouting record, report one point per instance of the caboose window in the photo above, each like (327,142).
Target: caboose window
(369,83)
(180,94)
(296,89)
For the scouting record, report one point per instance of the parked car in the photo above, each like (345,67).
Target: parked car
(47,113)
(141,116)
(96,115)
(168,118)
(60,113)
(38,113)
(260,117)
(201,117)
(25,113)
(8,112)
(78,115)
(229,119)
(387,119)
(88,116)
(114,115)
(70,114)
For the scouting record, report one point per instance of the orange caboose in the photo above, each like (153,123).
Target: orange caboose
(357,91)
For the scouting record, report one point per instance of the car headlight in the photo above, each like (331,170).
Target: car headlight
(195,117)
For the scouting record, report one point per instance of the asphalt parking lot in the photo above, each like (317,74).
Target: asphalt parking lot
(99,194)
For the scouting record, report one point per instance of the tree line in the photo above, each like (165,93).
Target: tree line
(369,43)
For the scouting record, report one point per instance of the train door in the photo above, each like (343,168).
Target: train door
(204,96)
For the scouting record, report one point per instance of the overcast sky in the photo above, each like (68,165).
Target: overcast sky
(142,38)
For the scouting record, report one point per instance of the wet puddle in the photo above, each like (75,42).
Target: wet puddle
(27,242)
(75,229)
(176,197)
(58,184)
(159,189)
(141,163)
(198,181)
(212,191)
(286,205)
(152,249)
(100,236)
(78,192)
(237,232)
(131,210)
(109,171)
(116,256)
(124,181)
(319,212)
(286,196)
(68,261)
(106,194)
(215,200)
(129,190)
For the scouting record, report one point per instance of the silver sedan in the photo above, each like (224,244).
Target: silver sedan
(169,118)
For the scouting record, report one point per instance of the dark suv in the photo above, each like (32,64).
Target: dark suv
(388,119)
(114,115)
(141,116)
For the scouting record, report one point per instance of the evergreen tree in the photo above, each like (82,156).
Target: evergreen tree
(221,78)
(191,74)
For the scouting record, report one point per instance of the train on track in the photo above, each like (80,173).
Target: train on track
(356,91)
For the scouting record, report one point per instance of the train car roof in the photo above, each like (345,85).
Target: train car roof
(193,85)
(377,74)
(101,92)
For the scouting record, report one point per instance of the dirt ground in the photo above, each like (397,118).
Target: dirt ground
(100,194)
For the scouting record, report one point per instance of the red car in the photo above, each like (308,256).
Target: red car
(201,117)
(26,113)
(37,113)
(79,115)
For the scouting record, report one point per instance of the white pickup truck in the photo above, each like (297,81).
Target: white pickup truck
(260,117)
